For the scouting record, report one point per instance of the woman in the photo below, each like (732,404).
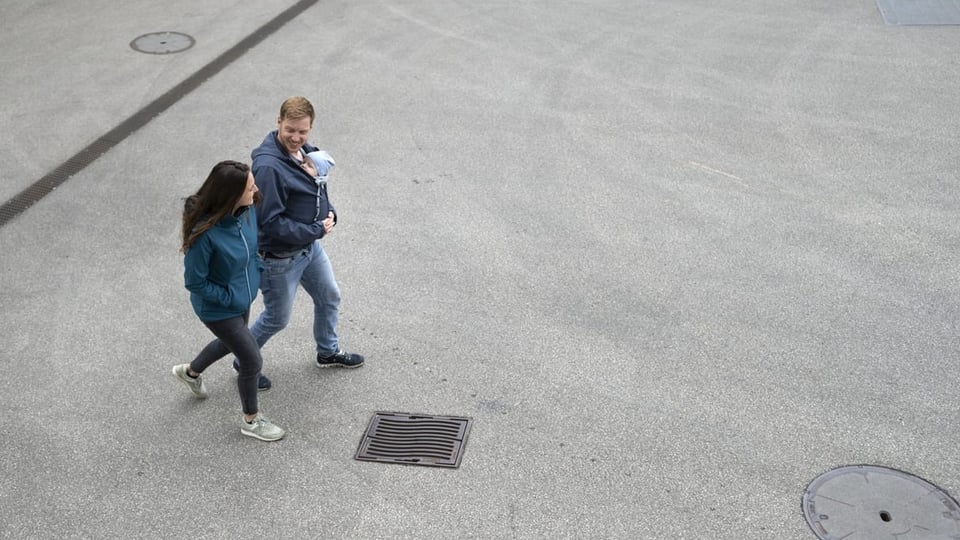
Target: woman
(222,273)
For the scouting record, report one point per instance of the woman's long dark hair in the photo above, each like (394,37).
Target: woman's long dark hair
(216,198)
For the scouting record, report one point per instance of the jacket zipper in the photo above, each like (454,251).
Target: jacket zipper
(321,184)
(246,267)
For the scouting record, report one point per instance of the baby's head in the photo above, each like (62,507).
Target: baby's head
(323,161)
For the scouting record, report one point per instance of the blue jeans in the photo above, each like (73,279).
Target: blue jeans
(278,283)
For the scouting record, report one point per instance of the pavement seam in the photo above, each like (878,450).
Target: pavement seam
(39,189)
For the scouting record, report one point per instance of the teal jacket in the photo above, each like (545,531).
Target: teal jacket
(221,269)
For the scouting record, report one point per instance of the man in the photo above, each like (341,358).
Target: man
(294,214)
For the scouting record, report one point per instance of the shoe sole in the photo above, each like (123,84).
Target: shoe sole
(260,437)
(343,366)
(185,383)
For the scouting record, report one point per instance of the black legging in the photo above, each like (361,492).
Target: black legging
(233,336)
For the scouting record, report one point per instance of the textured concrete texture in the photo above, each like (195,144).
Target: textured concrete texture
(675,259)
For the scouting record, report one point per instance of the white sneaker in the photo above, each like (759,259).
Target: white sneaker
(195,385)
(261,428)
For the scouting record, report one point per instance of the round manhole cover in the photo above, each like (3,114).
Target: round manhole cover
(866,502)
(162,43)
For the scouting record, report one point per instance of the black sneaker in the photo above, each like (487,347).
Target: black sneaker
(263,383)
(340,359)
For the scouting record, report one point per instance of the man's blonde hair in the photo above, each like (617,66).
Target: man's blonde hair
(295,108)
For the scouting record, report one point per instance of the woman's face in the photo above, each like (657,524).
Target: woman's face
(247,198)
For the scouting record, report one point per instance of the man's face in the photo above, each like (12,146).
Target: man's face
(293,133)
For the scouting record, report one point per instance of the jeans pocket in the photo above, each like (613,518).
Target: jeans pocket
(277,266)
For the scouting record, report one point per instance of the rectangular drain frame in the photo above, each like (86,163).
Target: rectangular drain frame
(920,12)
(415,439)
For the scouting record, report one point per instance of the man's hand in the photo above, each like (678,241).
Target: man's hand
(328,224)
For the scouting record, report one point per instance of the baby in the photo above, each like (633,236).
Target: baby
(323,162)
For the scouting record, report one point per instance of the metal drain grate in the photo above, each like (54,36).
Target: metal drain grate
(52,180)
(414,439)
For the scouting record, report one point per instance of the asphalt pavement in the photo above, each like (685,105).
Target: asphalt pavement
(674,260)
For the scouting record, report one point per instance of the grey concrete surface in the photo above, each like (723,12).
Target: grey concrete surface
(675,259)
